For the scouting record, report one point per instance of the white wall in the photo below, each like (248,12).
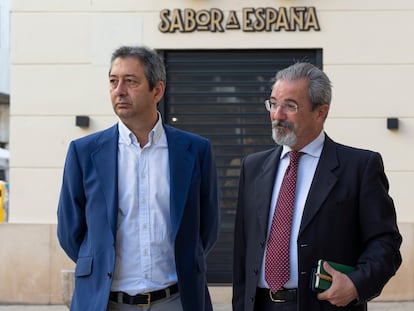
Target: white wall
(60,55)
(4,46)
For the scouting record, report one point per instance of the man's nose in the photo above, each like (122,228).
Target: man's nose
(278,113)
(120,89)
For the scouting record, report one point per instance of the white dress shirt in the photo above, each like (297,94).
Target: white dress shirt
(307,167)
(144,244)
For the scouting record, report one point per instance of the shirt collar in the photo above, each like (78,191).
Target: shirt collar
(125,135)
(157,133)
(314,148)
(155,136)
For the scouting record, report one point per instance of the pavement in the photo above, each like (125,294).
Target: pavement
(372,306)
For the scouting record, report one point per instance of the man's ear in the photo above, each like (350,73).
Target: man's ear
(323,111)
(159,90)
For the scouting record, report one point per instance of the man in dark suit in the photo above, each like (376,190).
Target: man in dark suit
(138,210)
(342,211)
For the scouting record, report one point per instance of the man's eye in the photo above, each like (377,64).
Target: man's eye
(291,106)
(131,82)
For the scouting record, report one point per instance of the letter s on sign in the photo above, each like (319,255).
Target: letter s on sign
(165,23)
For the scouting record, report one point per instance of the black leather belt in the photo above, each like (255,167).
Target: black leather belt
(143,299)
(282,295)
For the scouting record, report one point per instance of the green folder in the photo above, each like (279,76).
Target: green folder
(321,280)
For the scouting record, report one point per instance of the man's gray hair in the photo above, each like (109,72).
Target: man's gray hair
(320,87)
(154,68)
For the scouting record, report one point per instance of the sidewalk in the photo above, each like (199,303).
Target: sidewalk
(372,306)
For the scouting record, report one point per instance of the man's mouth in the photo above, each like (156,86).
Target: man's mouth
(122,104)
(281,125)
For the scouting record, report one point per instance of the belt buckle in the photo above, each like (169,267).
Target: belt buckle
(148,303)
(273,299)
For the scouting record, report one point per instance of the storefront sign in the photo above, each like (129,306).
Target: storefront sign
(248,20)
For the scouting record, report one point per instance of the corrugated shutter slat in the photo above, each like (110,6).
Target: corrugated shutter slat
(220,94)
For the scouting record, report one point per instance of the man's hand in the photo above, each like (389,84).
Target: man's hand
(342,290)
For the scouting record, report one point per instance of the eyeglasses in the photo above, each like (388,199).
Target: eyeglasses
(288,107)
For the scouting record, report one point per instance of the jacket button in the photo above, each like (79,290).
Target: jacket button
(110,275)
(256,271)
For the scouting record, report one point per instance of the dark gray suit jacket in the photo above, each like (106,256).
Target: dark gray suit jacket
(348,217)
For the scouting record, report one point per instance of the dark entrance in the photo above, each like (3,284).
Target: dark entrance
(220,94)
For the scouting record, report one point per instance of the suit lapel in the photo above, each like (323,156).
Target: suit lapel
(181,162)
(105,159)
(264,188)
(322,183)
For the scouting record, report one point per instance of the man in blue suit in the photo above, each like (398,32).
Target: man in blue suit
(138,210)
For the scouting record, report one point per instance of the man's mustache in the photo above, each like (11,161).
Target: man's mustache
(285,124)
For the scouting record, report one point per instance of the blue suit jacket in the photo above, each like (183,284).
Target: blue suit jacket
(88,209)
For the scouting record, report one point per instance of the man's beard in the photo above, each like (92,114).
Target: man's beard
(283,133)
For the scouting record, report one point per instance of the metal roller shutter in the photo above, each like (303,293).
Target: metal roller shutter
(220,94)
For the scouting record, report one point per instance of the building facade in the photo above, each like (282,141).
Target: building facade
(220,56)
(4,87)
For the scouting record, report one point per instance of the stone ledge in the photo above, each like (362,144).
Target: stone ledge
(68,284)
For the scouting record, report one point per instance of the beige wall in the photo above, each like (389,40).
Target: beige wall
(60,52)
(59,61)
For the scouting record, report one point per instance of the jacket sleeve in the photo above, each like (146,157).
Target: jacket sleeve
(239,251)
(210,213)
(381,256)
(71,226)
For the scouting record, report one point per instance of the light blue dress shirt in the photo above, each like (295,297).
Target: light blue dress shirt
(144,244)
(306,171)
